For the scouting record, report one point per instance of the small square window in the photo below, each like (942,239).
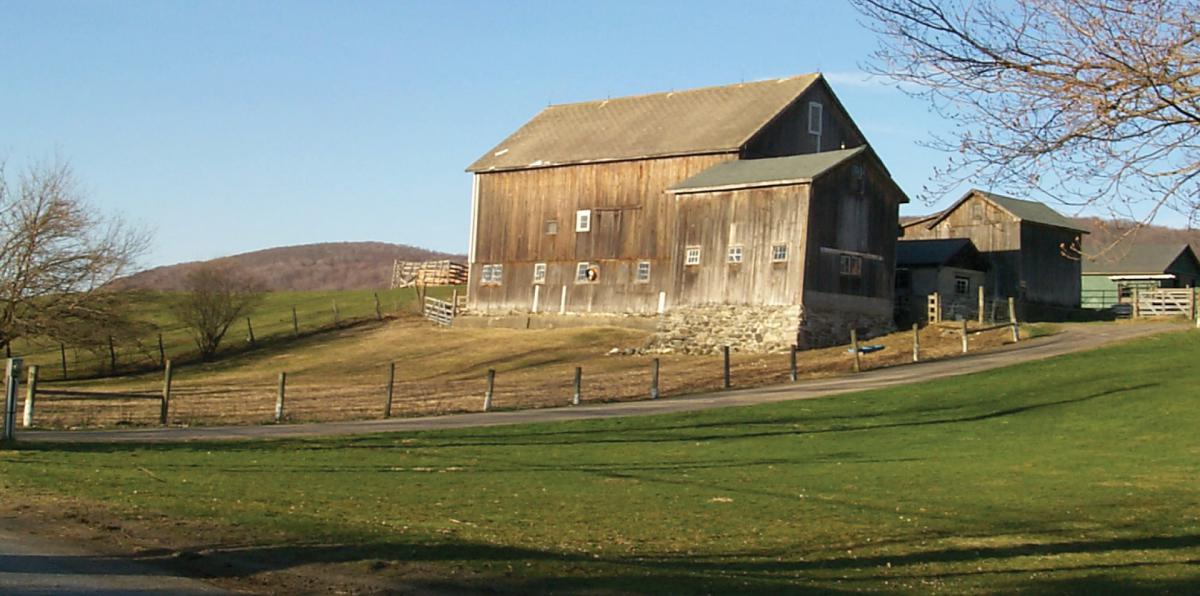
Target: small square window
(539,273)
(735,254)
(851,265)
(551,227)
(779,253)
(582,273)
(692,256)
(583,220)
(962,285)
(491,274)
(485,274)
(643,272)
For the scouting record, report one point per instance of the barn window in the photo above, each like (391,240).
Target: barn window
(962,285)
(539,273)
(851,265)
(643,272)
(583,220)
(977,211)
(735,254)
(814,118)
(492,274)
(586,273)
(692,256)
(779,253)
(551,227)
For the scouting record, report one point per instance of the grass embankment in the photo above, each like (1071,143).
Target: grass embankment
(271,321)
(342,374)
(1076,474)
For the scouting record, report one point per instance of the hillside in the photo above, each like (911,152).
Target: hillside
(324,266)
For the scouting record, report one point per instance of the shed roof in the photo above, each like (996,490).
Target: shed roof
(938,252)
(695,121)
(1138,259)
(770,171)
(1030,211)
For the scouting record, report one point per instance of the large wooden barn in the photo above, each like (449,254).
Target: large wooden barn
(1032,250)
(762,194)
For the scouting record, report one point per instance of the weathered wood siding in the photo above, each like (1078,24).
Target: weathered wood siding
(995,232)
(1186,272)
(754,219)
(843,221)
(632,220)
(788,133)
(1049,275)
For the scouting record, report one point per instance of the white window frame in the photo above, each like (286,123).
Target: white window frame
(485,274)
(966,285)
(583,220)
(736,254)
(850,265)
(581,269)
(818,110)
(775,248)
(638,278)
(539,273)
(492,275)
(691,256)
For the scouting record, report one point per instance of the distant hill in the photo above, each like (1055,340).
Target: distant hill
(325,266)
(1104,232)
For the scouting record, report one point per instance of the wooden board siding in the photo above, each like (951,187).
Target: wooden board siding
(788,133)
(632,220)
(1048,274)
(755,219)
(994,231)
(843,221)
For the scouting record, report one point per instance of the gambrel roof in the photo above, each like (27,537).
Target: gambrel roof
(691,122)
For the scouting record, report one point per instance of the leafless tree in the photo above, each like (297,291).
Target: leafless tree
(216,297)
(1086,102)
(57,252)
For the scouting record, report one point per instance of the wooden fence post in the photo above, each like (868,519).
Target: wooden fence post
(654,379)
(964,336)
(165,404)
(112,355)
(30,392)
(491,384)
(454,301)
(916,342)
(728,379)
(794,374)
(854,348)
(378,308)
(387,406)
(162,355)
(1137,303)
(12,370)
(62,350)
(249,331)
(279,397)
(336,314)
(578,385)
(982,305)
(1012,319)
(295,322)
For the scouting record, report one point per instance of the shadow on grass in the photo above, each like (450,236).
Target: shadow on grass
(491,567)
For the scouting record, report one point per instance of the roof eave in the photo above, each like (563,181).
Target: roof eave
(536,165)
(739,186)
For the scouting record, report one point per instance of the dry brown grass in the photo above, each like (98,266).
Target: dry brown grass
(342,375)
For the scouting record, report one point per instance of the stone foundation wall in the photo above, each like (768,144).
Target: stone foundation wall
(821,329)
(706,329)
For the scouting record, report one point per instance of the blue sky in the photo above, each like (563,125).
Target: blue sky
(233,126)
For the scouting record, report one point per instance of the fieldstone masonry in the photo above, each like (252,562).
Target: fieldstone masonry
(706,329)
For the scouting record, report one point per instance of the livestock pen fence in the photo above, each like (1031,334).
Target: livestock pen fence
(308,397)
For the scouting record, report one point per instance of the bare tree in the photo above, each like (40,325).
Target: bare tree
(56,254)
(1086,102)
(216,297)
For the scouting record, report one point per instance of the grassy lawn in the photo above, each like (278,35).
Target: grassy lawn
(1072,475)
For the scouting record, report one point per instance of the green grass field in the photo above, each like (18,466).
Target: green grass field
(271,321)
(1072,475)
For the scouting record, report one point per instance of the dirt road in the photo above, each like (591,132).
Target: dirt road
(1073,338)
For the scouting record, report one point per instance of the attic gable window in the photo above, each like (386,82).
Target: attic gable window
(583,220)
(815,111)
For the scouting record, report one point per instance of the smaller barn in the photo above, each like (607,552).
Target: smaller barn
(1032,250)
(951,267)
(1111,279)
